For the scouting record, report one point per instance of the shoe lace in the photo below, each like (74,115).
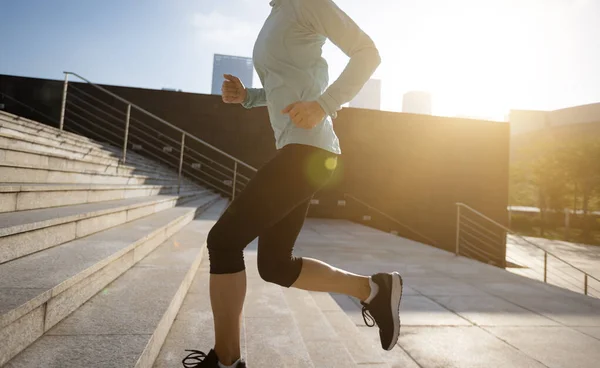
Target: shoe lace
(367,316)
(193,359)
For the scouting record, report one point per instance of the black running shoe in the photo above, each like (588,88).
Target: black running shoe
(197,359)
(385,307)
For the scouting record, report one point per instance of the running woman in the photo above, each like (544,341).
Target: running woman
(274,204)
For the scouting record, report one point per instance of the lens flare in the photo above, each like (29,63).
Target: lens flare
(331,163)
(319,168)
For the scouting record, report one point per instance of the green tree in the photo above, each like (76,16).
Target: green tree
(558,169)
(582,162)
(550,179)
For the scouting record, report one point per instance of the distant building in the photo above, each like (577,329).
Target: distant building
(369,97)
(241,67)
(417,102)
(525,121)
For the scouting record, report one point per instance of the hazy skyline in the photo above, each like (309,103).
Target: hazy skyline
(476,57)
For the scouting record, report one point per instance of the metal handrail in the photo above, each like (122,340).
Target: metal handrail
(162,120)
(79,116)
(433,242)
(508,230)
(481,227)
(98,100)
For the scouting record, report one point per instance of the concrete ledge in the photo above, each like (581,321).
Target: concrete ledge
(47,129)
(325,347)
(20,334)
(31,231)
(31,174)
(31,197)
(139,307)
(15,139)
(36,135)
(57,150)
(57,138)
(362,349)
(65,277)
(8,202)
(32,158)
(65,139)
(45,187)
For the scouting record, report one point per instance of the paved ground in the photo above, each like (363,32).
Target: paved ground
(584,257)
(460,313)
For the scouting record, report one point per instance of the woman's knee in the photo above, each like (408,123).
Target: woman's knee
(223,254)
(283,272)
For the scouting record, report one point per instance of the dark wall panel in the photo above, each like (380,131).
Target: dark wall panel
(412,167)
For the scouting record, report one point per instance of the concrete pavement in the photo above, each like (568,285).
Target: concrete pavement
(457,312)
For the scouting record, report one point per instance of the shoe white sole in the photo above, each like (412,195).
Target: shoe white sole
(395,307)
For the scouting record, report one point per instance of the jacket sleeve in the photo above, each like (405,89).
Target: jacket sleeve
(326,18)
(255,97)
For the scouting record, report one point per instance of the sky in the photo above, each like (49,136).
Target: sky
(478,58)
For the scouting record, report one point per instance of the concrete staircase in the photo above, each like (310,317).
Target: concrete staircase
(74,220)
(105,265)
(282,327)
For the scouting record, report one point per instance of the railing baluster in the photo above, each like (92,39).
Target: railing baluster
(547,253)
(235,168)
(457,251)
(181,163)
(64,102)
(545,266)
(126,137)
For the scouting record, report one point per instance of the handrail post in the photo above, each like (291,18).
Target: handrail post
(64,102)
(126,138)
(457,250)
(235,167)
(585,284)
(181,163)
(567,223)
(546,267)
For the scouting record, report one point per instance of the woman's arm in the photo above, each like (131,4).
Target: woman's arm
(326,18)
(255,97)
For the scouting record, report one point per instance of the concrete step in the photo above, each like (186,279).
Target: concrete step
(323,343)
(364,348)
(23,173)
(51,137)
(40,160)
(47,130)
(289,326)
(22,197)
(40,290)
(125,324)
(282,327)
(33,135)
(22,142)
(27,232)
(193,326)
(271,337)
(29,141)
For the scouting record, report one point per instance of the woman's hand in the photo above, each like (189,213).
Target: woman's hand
(233,89)
(305,115)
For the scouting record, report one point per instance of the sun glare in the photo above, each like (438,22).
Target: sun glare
(472,61)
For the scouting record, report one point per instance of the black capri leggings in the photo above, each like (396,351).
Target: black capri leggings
(272,207)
